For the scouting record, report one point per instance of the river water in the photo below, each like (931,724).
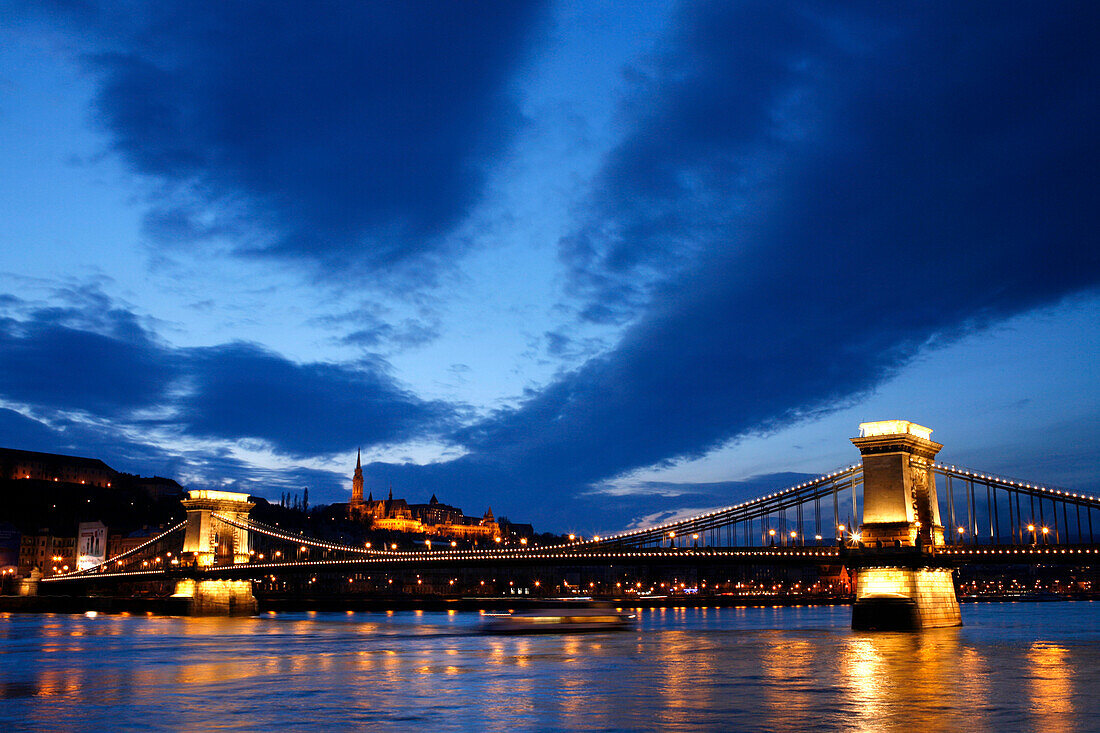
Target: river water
(1012,666)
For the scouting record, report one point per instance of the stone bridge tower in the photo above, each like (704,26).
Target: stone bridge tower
(899,582)
(213,541)
(900,507)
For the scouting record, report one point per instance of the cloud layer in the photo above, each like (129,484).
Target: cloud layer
(330,132)
(804,196)
(75,362)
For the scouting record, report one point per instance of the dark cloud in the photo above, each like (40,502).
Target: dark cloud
(24,433)
(833,189)
(103,440)
(102,362)
(241,390)
(375,327)
(347,132)
(60,367)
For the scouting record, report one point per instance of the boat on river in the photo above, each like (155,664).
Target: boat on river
(558,620)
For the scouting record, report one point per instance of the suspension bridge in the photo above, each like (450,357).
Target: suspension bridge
(900,520)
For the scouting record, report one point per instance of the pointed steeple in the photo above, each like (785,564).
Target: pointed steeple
(357,481)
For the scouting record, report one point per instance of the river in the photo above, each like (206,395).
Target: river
(1012,666)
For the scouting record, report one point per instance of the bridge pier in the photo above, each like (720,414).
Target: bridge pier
(217,597)
(29,586)
(901,522)
(901,598)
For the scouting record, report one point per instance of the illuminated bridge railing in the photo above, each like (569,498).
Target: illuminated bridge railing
(116,562)
(986,518)
(575,552)
(302,541)
(764,520)
(977,507)
(290,538)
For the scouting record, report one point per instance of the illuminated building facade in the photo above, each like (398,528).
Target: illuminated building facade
(49,553)
(434,518)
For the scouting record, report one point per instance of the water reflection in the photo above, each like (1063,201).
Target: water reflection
(682,669)
(900,680)
(793,675)
(1051,688)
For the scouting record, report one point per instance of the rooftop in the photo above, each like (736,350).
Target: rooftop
(893,427)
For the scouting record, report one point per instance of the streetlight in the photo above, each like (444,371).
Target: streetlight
(794,536)
(1046,531)
(771,534)
(1031,528)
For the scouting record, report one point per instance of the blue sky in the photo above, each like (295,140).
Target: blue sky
(585,263)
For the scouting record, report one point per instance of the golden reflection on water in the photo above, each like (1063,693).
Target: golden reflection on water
(915,680)
(789,667)
(681,669)
(1051,686)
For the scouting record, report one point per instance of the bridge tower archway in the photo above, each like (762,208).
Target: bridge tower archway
(211,540)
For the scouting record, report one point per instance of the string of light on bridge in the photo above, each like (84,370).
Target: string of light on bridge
(133,551)
(576,549)
(960,472)
(304,541)
(412,558)
(827,478)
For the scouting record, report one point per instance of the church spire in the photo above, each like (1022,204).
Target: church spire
(357,483)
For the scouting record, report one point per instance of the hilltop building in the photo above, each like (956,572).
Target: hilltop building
(433,518)
(25,464)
